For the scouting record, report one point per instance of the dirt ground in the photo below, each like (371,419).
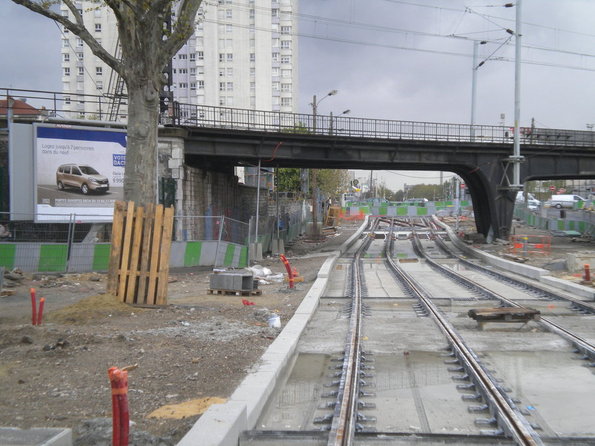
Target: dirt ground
(189,355)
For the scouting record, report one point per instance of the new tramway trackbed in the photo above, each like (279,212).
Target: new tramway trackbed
(391,355)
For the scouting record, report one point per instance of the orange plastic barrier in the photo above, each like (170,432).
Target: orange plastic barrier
(530,244)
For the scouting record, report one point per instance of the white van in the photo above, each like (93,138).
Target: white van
(565,201)
(532,202)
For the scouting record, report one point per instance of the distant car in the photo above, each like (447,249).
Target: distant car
(532,203)
(81,176)
(566,201)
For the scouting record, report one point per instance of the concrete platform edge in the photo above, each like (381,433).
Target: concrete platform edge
(222,424)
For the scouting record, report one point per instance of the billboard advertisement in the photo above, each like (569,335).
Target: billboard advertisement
(77,170)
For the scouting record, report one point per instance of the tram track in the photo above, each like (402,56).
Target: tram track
(501,407)
(337,417)
(580,343)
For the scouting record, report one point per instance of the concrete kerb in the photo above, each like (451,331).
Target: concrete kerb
(532,272)
(222,424)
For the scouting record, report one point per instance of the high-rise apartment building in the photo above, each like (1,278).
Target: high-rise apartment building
(243,54)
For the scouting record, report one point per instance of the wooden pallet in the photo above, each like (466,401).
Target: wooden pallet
(139,256)
(235,292)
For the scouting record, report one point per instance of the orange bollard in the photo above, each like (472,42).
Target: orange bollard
(120,416)
(40,312)
(288,268)
(33,307)
(587,272)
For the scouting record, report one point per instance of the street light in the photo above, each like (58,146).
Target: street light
(314,105)
(344,112)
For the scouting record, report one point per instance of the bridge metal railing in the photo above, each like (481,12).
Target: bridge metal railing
(55,105)
(353,127)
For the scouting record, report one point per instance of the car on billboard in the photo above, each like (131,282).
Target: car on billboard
(81,176)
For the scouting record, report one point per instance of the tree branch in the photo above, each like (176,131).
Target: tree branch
(77,28)
(183,28)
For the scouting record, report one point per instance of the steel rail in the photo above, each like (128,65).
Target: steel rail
(506,413)
(579,343)
(345,412)
(586,306)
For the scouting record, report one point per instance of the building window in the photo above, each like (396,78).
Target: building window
(228,28)
(221,86)
(79,56)
(286,44)
(183,70)
(201,85)
(65,43)
(66,57)
(221,57)
(275,86)
(183,56)
(221,72)
(286,30)
(285,73)
(192,71)
(275,57)
(99,85)
(66,71)
(276,42)
(222,102)
(230,86)
(192,85)
(285,87)
(201,55)
(252,71)
(79,42)
(228,13)
(252,57)
(67,100)
(275,71)
(192,56)
(252,13)
(252,86)
(285,102)
(81,71)
(274,12)
(98,71)
(229,72)
(285,59)
(183,85)
(98,27)
(230,57)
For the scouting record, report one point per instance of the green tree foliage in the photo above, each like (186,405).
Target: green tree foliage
(332,182)
(289,180)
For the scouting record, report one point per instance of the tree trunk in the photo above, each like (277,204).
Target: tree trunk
(140,176)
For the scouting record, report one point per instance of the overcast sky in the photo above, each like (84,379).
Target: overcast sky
(394,59)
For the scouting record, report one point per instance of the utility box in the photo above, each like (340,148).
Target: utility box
(236,281)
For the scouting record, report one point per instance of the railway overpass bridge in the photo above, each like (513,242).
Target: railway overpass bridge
(216,137)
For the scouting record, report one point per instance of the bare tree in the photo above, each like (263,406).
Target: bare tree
(147,47)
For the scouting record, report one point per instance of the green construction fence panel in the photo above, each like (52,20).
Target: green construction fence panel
(229,252)
(561,225)
(422,211)
(53,257)
(402,210)
(192,253)
(383,210)
(101,257)
(243,262)
(7,255)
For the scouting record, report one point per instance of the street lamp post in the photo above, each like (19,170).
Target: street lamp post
(344,112)
(314,104)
